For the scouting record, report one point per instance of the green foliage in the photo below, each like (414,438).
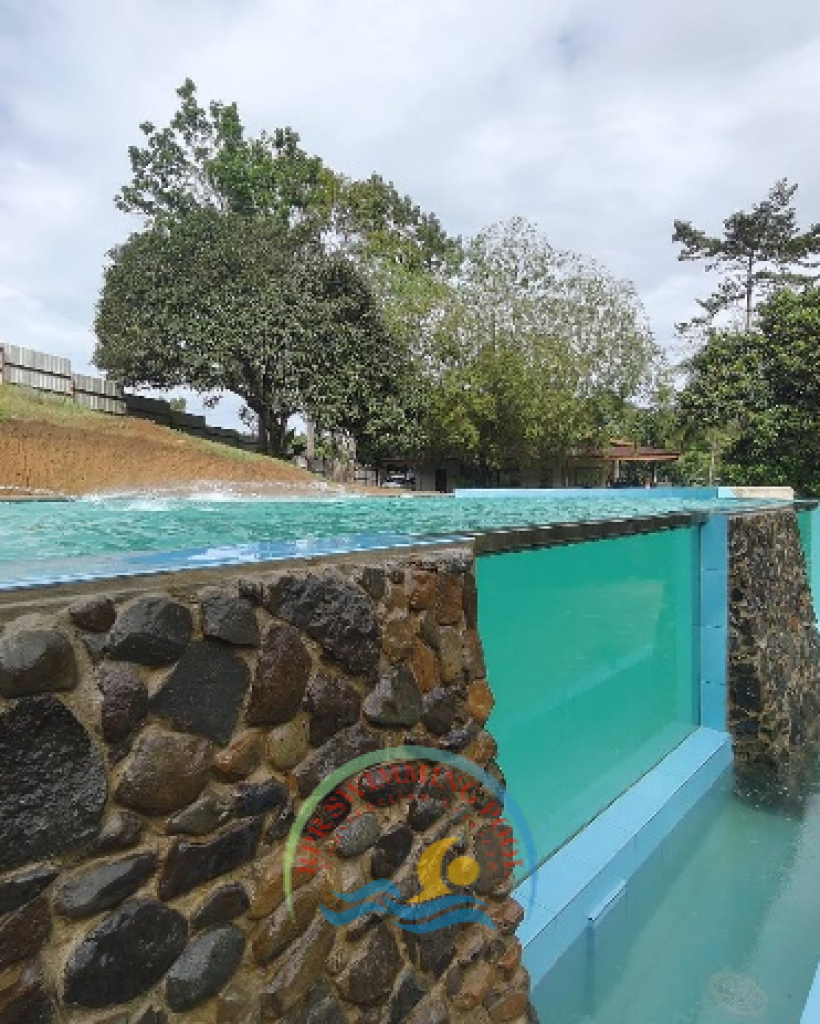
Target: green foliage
(754,397)
(219,301)
(256,276)
(760,250)
(203,160)
(535,352)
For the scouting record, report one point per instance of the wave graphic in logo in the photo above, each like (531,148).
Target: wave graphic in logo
(381,896)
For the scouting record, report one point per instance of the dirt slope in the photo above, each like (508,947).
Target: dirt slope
(49,446)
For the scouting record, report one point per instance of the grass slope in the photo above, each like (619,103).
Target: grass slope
(51,445)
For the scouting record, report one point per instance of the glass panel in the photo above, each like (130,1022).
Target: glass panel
(590,653)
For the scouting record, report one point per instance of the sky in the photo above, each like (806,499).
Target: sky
(601,120)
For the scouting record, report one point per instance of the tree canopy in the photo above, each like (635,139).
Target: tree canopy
(223,302)
(760,250)
(758,393)
(537,352)
(255,274)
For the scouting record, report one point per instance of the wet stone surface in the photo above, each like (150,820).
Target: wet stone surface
(27,1000)
(165,771)
(321,1006)
(52,782)
(204,693)
(124,699)
(281,676)
(357,835)
(334,704)
(426,812)
(396,700)
(120,831)
(333,611)
(439,710)
(189,865)
(35,659)
(305,962)
(222,905)
(242,757)
(125,955)
(390,851)
(205,966)
(341,748)
(253,798)
(96,614)
(370,975)
(25,885)
(151,630)
(202,817)
(104,887)
(24,931)
(288,743)
(277,932)
(227,616)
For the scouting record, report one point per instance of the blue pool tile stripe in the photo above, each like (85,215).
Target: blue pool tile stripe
(714,620)
(607,853)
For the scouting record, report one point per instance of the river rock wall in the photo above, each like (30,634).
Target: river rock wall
(773,655)
(155,748)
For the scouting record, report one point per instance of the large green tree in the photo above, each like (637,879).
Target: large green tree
(308,248)
(223,302)
(760,250)
(536,353)
(756,395)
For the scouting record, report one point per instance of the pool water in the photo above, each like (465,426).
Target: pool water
(40,531)
(721,926)
(591,653)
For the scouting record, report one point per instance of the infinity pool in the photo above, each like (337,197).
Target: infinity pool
(41,531)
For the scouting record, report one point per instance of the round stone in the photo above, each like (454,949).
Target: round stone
(357,835)
(288,743)
(52,782)
(165,771)
(206,965)
(35,659)
(125,955)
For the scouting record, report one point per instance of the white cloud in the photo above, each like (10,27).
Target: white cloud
(603,120)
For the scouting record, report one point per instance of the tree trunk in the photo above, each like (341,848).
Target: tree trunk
(749,290)
(273,433)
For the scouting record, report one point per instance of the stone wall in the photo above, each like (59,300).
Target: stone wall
(155,746)
(774,655)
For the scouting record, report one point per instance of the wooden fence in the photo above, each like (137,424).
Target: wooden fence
(52,374)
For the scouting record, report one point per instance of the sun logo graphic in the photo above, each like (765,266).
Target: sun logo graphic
(445,871)
(436,906)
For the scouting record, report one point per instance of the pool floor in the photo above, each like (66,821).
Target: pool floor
(721,925)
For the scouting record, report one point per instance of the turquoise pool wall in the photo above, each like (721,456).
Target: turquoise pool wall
(808,523)
(593,655)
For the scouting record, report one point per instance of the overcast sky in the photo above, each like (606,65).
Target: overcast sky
(602,120)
